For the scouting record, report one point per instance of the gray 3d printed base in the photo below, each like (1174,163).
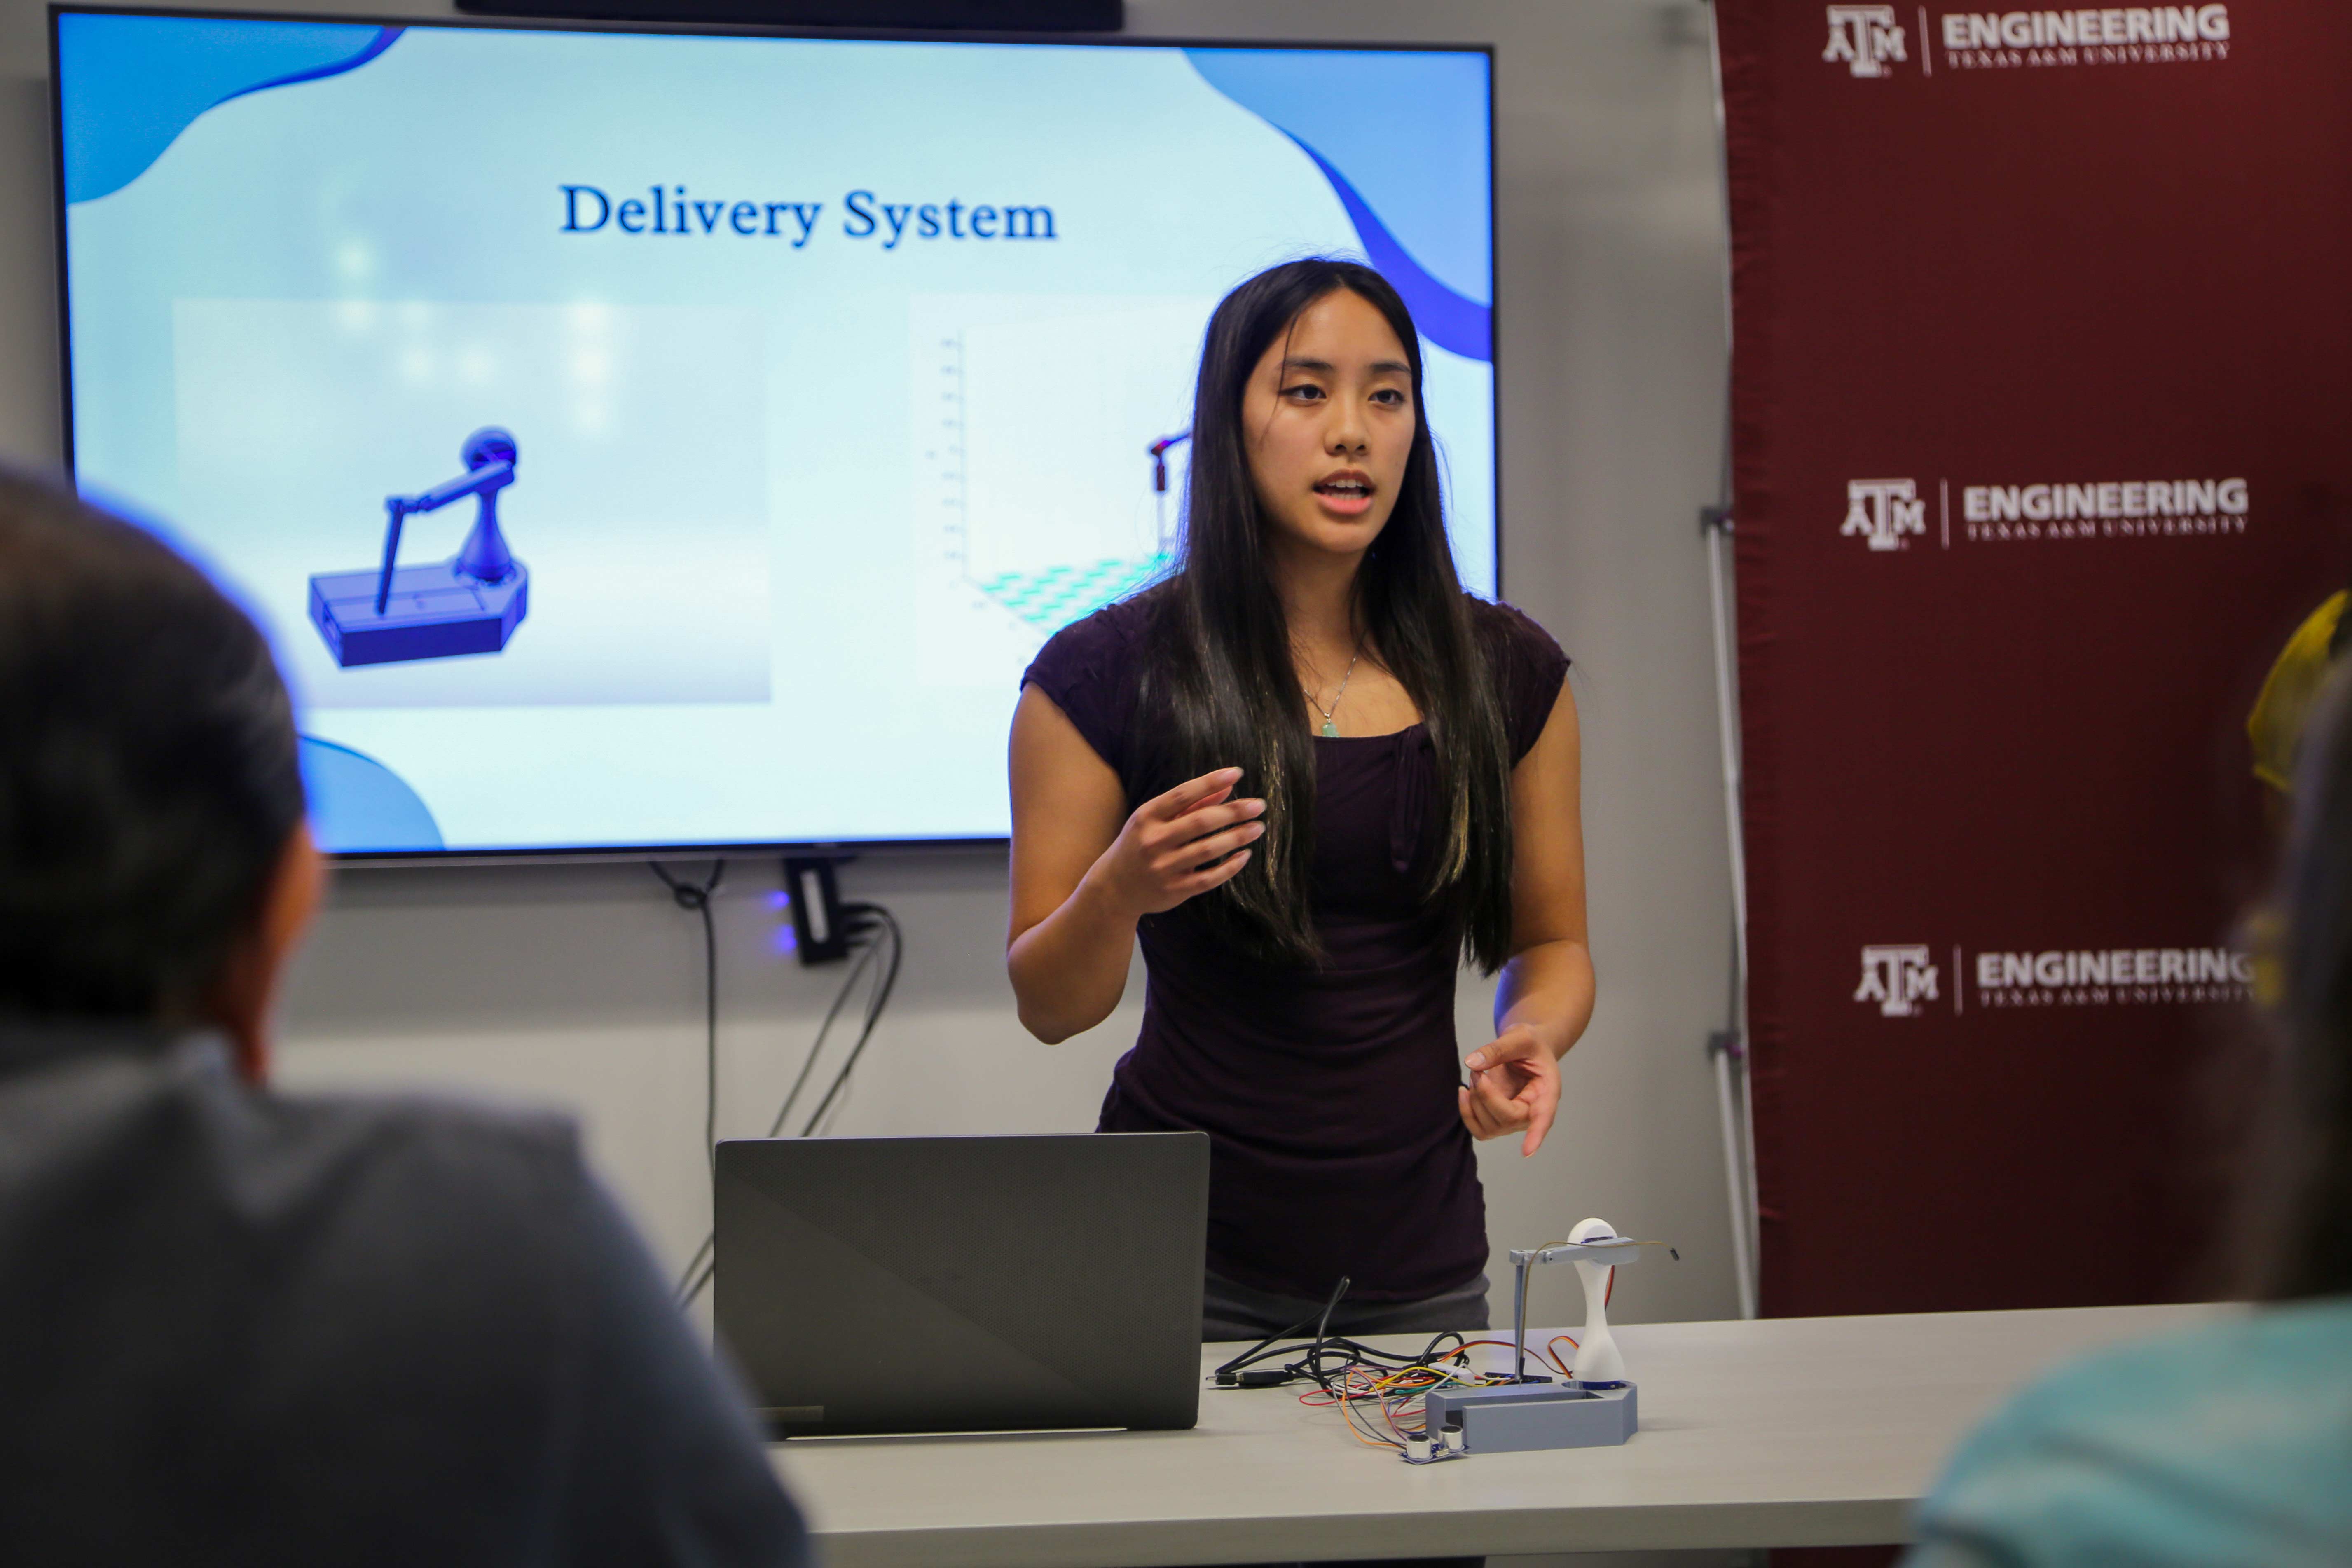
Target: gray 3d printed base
(1519,1417)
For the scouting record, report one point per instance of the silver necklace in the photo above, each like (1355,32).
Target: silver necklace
(1330,725)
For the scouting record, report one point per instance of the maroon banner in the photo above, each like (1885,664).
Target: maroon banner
(2042,452)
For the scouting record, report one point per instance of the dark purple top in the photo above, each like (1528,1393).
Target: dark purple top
(1328,1094)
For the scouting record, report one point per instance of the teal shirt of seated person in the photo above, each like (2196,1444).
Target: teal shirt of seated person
(2227,1444)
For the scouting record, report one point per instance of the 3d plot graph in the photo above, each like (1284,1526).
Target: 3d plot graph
(471,602)
(1051,519)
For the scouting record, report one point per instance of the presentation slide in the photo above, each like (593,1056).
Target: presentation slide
(635,439)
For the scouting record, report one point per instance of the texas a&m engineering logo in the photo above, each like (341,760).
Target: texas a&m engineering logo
(1883,511)
(1868,38)
(1870,43)
(1899,976)
(1886,514)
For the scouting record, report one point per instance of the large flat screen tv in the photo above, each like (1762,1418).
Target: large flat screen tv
(637,439)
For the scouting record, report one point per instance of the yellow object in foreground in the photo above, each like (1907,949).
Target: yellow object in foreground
(2275,726)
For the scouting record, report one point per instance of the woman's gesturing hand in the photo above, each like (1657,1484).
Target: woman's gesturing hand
(1179,845)
(1513,1084)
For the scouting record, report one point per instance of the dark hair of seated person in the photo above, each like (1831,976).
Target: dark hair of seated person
(149,782)
(244,1326)
(2297,1222)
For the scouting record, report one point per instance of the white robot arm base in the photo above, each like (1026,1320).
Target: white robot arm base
(1599,1363)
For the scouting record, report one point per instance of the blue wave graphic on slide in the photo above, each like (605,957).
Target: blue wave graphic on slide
(1402,135)
(1461,326)
(138,81)
(358,804)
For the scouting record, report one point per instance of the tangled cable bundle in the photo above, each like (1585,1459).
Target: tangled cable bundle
(1372,1388)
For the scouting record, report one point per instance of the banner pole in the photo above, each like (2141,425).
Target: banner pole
(1723,1045)
(1739,1123)
(1738,1141)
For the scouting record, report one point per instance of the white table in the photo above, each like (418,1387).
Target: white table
(1784,1432)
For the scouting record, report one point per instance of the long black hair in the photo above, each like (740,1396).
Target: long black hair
(1220,667)
(2296,1228)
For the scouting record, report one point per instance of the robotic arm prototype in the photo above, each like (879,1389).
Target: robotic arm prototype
(470,603)
(488,455)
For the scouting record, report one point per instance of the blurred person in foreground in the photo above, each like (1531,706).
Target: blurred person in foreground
(2230,1443)
(237,1326)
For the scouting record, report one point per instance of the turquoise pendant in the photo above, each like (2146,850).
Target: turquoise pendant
(1330,731)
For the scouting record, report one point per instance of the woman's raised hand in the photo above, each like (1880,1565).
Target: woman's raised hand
(1514,1088)
(1179,845)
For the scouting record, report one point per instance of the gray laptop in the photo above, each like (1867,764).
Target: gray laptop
(965,1284)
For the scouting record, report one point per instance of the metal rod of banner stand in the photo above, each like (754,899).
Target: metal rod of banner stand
(1724,1047)
(1739,1123)
(1723,178)
(1739,1139)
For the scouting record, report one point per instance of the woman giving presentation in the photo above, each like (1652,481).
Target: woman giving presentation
(1310,773)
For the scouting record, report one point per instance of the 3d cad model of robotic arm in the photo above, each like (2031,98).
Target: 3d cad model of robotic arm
(470,603)
(490,458)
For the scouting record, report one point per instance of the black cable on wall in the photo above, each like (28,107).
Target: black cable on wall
(694,898)
(879,944)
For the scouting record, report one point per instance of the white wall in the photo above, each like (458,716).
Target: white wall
(582,984)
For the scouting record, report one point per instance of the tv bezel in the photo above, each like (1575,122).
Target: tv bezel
(560,854)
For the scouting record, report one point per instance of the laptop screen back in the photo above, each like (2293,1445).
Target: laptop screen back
(965,1284)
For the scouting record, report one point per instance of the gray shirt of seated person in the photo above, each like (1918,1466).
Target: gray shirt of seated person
(240,1327)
